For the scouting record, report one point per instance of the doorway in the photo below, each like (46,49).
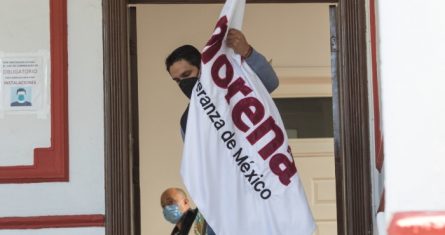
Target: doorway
(350,122)
(301,60)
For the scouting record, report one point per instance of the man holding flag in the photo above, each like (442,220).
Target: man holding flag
(237,165)
(184,64)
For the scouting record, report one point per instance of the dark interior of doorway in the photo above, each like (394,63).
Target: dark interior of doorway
(350,105)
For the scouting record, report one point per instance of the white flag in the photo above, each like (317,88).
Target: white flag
(237,164)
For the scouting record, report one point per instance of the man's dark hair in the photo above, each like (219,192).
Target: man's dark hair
(188,53)
(19,90)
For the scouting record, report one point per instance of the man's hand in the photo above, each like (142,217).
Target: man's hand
(236,40)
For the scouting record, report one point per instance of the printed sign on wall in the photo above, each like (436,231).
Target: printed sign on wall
(24,83)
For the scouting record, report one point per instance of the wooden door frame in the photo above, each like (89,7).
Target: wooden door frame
(351,120)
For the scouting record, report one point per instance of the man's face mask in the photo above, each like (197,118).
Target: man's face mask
(21,97)
(187,85)
(172,213)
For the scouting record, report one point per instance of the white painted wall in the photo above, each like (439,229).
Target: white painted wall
(84,193)
(412,57)
(23,31)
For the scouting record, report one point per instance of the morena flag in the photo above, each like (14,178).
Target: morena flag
(237,164)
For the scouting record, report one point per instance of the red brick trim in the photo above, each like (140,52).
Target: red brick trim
(375,90)
(421,222)
(58,221)
(51,164)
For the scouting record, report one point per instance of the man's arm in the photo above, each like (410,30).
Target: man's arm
(263,69)
(258,63)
